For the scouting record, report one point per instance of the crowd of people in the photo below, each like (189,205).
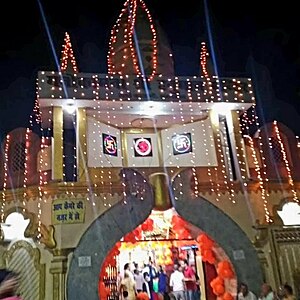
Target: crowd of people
(181,283)
(285,292)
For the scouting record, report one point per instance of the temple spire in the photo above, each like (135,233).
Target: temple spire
(68,61)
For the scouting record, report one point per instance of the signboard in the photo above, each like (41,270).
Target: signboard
(142,150)
(189,145)
(69,211)
(52,85)
(182,143)
(103,145)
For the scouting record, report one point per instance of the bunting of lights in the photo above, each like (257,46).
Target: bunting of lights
(67,55)
(7,142)
(130,12)
(26,166)
(246,122)
(264,193)
(286,162)
(203,59)
(227,178)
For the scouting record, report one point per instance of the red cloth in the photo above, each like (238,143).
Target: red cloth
(189,273)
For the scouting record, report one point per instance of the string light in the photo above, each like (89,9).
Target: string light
(25,167)
(203,59)
(7,143)
(68,55)
(286,162)
(260,179)
(130,9)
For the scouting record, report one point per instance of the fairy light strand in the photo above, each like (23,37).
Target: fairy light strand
(260,179)
(7,143)
(68,55)
(286,162)
(203,59)
(130,9)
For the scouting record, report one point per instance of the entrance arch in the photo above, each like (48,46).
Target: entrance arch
(209,218)
(121,219)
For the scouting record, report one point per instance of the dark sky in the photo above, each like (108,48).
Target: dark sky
(259,39)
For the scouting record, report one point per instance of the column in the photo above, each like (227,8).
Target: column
(57,148)
(58,269)
(81,144)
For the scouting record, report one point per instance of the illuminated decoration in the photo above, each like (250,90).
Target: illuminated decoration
(261,181)
(110,146)
(142,147)
(245,123)
(206,142)
(67,55)
(26,166)
(41,192)
(246,120)
(286,162)
(7,142)
(227,178)
(203,59)
(129,12)
(182,143)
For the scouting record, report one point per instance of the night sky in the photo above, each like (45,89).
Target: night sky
(259,39)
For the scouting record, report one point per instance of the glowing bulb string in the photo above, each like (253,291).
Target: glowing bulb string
(260,179)
(286,162)
(68,55)
(130,39)
(260,170)
(3,204)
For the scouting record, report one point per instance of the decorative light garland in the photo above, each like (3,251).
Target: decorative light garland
(68,55)
(130,8)
(286,162)
(203,59)
(7,142)
(25,167)
(264,194)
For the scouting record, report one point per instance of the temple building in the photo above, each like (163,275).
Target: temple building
(140,164)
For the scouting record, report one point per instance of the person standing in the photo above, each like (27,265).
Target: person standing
(139,280)
(177,282)
(162,283)
(245,294)
(128,284)
(190,281)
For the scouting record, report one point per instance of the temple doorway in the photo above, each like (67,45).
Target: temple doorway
(165,239)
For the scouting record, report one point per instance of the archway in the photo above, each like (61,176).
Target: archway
(121,219)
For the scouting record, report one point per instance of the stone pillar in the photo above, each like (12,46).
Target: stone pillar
(58,269)
(57,160)
(81,144)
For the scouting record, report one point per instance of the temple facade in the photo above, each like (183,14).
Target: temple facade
(103,151)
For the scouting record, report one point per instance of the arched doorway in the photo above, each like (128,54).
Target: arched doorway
(121,219)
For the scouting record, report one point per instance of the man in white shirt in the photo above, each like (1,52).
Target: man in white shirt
(266,292)
(177,283)
(245,294)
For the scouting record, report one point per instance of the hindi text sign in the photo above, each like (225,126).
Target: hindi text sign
(68,211)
